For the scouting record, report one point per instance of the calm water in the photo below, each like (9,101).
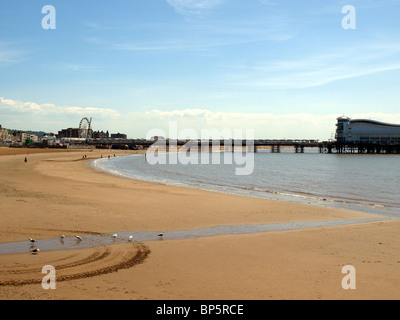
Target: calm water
(367,183)
(92,241)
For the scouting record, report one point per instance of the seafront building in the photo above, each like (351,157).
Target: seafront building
(119,136)
(4,135)
(17,137)
(100,135)
(23,137)
(69,133)
(366,131)
(76,133)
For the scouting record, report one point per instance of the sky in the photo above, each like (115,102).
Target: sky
(285,69)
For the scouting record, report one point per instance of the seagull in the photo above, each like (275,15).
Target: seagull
(78,238)
(130,238)
(34,251)
(32,240)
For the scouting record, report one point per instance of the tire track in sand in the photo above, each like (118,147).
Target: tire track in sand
(86,263)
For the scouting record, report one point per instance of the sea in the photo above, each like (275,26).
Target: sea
(367,183)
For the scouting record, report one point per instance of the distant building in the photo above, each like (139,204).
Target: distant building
(72,133)
(4,135)
(34,138)
(50,140)
(367,131)
(156,138)
(100,135)
(23,137)
(118,136)
(68,133)
(20,136)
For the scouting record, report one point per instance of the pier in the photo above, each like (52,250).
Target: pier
(359,148)
(249,145)
(273,145)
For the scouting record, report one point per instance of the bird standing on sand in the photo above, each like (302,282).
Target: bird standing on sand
(35,251)
(160,235)
(78,238)
(130,238)
(115,236)
(62,237)
(32,240)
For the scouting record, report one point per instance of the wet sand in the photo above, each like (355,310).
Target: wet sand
(58,193)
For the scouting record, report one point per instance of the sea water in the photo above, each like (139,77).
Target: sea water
(366,183)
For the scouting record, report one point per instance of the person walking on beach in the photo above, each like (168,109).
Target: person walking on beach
(26,160)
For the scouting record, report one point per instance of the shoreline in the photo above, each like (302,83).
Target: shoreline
(59,165)
(367,208)
(44,199)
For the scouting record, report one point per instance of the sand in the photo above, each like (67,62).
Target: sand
(57,193)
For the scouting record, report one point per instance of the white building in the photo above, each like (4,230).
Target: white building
(20,136)
(367,131)
(32,137)
(4,135)
(51,140)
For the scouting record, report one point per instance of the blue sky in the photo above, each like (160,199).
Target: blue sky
(285,69)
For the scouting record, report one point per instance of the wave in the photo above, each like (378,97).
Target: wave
(315,197)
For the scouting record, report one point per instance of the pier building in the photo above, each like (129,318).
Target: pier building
(366,131)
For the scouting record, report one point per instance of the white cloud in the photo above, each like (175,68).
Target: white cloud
(265,125)
(190,7)
(268,2)
(79,67)
(49,117)
(241,37)
(314,78)
(47,112)
(318,70)
(9,57)
(92,25)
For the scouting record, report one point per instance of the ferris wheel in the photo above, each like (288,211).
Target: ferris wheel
(85,128)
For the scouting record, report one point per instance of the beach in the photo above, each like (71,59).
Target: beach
(56,192)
